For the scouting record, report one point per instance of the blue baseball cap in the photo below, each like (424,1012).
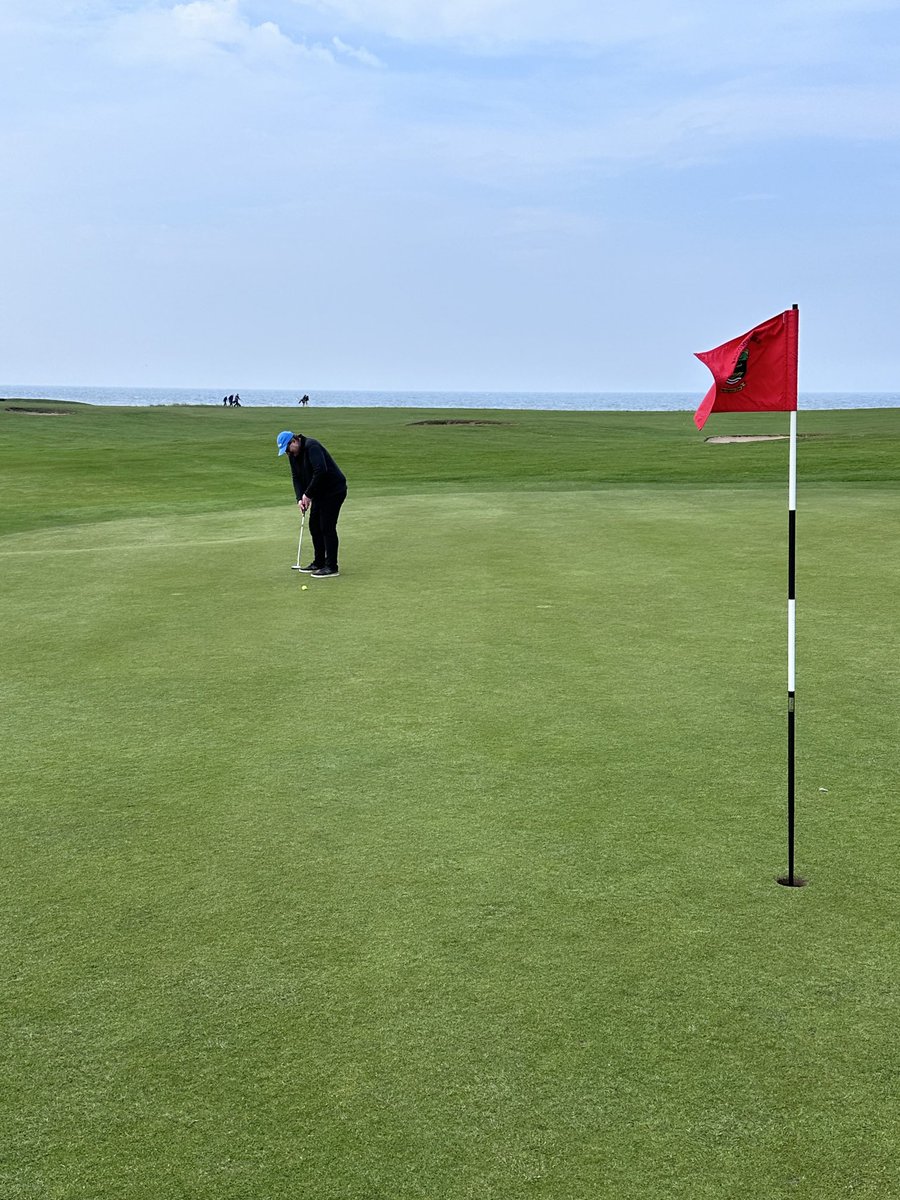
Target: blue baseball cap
(282,441)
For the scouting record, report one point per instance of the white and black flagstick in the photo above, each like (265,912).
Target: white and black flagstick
(791,879)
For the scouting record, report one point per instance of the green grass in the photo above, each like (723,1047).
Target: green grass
(104,463)
(452,878)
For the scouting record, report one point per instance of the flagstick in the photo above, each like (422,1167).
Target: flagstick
(792,640)
(791,880)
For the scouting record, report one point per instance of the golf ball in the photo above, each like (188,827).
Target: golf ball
(303,588)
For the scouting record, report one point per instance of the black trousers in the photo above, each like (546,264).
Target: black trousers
(323,519)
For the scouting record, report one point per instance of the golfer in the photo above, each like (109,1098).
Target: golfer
(321,489)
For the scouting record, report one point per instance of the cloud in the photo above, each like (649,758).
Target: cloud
(202,29)
(501,139)
(508,24)
(212,29)
(491,23)
(361,55)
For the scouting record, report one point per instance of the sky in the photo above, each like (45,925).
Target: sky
(468,195)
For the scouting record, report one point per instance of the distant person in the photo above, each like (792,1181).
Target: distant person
(224,401)
(304,400)
(321,489)
(237,401)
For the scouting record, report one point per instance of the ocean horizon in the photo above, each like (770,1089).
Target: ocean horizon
(141,397)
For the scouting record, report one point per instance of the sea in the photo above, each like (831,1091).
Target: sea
(538,401)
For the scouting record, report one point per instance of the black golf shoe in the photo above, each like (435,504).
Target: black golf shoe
(310,567)
(326,573)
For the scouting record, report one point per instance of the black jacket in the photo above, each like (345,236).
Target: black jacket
(314,471)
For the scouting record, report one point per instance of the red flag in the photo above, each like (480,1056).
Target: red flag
(756,372)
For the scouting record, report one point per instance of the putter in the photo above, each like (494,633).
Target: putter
(300,543)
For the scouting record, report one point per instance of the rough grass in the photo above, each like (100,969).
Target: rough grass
(453,877)
(98,463)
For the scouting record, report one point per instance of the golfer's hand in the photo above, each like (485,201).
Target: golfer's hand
(304,503)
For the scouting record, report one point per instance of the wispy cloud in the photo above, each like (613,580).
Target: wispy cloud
(488,24)
(190,32)
(360,54)
(497,24)
(199,29)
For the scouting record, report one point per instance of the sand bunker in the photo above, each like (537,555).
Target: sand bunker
(751,437)
(460,421)
(37,412)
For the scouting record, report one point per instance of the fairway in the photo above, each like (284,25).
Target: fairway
(452,878)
